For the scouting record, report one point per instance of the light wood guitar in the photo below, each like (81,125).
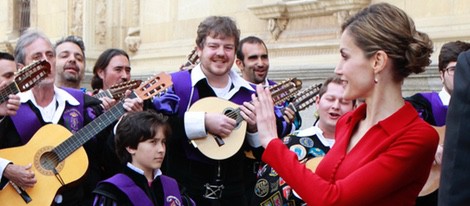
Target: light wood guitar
(219,148)
(117,91)
(313,163)
(26,78)
(58,156)
(432,183)
(304,99)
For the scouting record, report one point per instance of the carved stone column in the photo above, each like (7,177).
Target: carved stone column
(133,38)
(76,27)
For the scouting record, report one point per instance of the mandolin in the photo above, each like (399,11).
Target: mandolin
(26,78)
(58,156)
(219,148)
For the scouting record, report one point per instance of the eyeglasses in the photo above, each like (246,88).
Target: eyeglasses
(450,70)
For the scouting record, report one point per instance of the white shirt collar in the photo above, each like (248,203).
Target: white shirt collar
(156,172)
(445,97)
(315,130)
(238,82)
(61,96)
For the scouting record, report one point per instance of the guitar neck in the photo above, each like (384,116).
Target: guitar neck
(301,104)
(102,94)
(12,88)
(90,130)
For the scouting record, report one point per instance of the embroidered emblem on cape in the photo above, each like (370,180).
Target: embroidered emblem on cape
(316,152)
(262,170)
(273,173)
(281,181)
(274,200)
(299,150)
(173,201)
(286,191)
(262,188)
(286,139)
(306,141)
(72,119)
(274,185)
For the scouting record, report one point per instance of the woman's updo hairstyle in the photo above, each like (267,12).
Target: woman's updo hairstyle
(385,27)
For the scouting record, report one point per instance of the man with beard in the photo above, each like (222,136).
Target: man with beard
(253,62)
(70,62)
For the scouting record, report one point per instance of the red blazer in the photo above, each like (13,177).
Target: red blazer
(388,166)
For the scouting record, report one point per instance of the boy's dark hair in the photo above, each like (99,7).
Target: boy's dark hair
(137,127)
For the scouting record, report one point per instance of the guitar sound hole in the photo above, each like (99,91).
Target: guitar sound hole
(49,160)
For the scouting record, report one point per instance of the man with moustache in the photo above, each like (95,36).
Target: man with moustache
(70,62)
(208,181)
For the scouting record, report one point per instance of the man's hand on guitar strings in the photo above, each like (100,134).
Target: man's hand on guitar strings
(288,115)
(249,115)
(20,175)
(10,106)
(134,104)
(219,124)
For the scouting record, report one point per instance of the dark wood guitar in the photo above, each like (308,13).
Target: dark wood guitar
(432,183)
(304,99)
(117,91)
(192,59)
(26,78)
(58,156)
(218,148)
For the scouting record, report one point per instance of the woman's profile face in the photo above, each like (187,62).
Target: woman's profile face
(354,68)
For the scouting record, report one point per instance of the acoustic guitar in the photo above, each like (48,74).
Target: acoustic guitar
(26,78)
(58,156)
(219,148)
(432,183)
(304,99)
(117,91)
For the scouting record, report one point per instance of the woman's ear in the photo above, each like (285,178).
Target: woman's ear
(379,61)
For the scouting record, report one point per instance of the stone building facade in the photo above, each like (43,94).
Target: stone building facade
(301,35)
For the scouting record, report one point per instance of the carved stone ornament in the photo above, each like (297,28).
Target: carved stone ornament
(277,26)
(133,39)
(279,14)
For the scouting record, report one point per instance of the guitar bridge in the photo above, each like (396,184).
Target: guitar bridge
(219,140)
